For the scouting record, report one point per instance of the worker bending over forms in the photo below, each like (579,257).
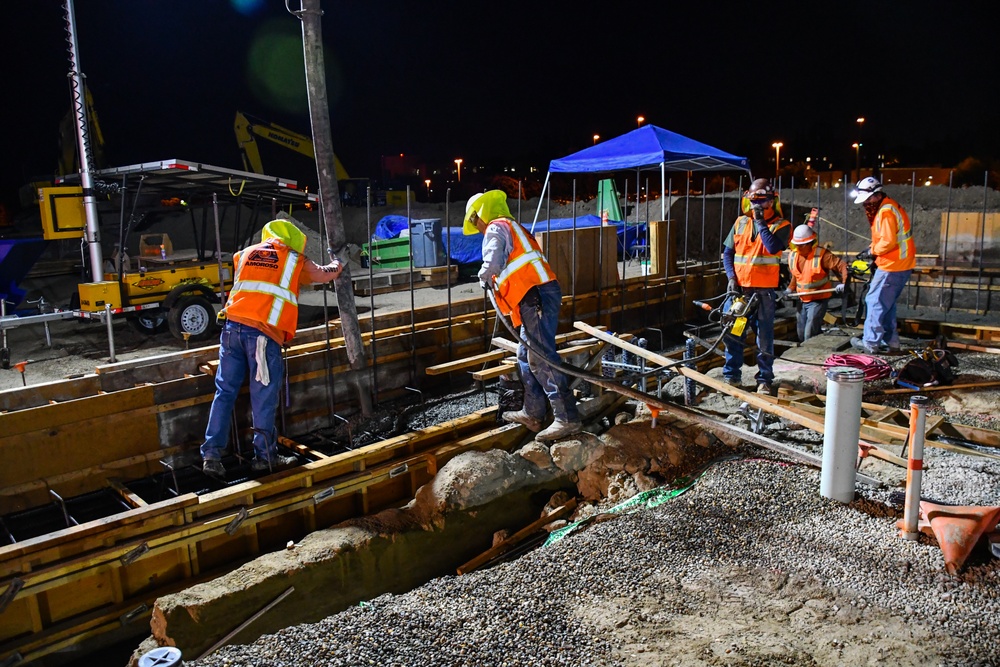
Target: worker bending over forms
(810,267)
(526,290)
(261,317)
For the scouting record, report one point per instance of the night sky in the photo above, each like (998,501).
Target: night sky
(517,82)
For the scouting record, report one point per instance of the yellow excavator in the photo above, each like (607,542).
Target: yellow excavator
(352,190)
(248,128)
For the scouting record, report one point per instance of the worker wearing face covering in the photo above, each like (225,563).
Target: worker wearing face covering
(526,290)
(752,259)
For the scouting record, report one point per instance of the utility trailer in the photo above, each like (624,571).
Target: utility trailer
(159,287)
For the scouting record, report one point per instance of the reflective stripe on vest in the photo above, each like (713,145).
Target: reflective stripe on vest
(817,265)
(526,268)
(755,266)
(282,294)
(902,234)
(529,256)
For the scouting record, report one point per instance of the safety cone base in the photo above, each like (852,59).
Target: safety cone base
(956,528)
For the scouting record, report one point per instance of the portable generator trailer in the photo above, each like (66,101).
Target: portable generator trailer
(160,287)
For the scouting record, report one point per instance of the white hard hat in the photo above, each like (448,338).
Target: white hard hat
(803,234)
(865,188)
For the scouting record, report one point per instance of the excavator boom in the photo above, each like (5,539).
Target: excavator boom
(248,128)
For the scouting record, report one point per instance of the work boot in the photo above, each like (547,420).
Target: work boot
(733,382)
(559,429)
(278,461)
(861,345)
(214,468)
(524,419)
(765,388)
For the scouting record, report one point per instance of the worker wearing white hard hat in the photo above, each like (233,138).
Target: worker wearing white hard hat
(895,254)
(525,288)
(811,267)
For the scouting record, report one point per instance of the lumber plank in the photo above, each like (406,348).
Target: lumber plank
(517,537)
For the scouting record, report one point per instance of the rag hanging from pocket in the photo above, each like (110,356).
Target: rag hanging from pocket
(263,374)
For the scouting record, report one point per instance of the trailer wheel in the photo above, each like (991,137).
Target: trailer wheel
(192,314)
(150,322)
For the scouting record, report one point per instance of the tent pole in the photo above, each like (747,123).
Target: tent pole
(645,271)
(538,209)
(600,264)
(704,185)
(573,253)
(687,210)
(621,317)
(666,260)
(663,194)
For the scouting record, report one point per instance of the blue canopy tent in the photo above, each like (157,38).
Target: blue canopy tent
(645,149)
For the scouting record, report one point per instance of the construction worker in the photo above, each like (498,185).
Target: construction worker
(261,317)
(895,255)
(525,289)
(752,258)
(810,268)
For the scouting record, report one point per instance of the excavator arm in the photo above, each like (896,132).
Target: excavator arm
(248,128)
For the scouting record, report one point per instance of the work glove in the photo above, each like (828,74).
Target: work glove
(866,255)
(733,286)
(758,212)
(839,288)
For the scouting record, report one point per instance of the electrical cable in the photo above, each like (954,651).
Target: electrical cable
(874,368)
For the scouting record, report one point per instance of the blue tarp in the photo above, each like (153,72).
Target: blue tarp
(646,148)
(466,249)
(469,249)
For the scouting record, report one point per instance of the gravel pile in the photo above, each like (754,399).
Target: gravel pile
(751,566)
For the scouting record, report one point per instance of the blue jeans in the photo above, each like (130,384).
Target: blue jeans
(539,320)
(237,356)
(809,319)
(762,323)
(880,322)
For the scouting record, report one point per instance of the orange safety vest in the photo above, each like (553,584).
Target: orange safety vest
(755,266)
(266,289)
(903,257)
(526,268)
(810,275)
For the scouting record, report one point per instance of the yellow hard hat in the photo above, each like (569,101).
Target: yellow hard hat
(489,206)
(286,232)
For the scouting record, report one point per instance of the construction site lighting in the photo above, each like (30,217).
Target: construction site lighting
(640,120)
(777,156)
(458,163)
(596,137)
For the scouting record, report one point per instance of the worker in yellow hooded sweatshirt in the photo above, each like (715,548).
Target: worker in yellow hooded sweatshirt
(261,316)
(526,290)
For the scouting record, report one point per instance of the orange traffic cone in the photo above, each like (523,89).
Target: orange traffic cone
(957,529)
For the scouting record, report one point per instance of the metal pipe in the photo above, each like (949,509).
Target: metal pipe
(704,184)
(447,232)
(689,384)
(111,331)
(328,353)
(791,215)
(947,231)
(413,303)
(914,466)
(982,237)
(621,315)
(218,249)
(842,432)
(92,233)
(600,257)
(722,217)
(371,291)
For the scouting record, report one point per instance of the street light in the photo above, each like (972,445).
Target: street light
(640,120)
(458,163)
(596,137)
(777,155)
(861,127)
(427,182)
(857,158)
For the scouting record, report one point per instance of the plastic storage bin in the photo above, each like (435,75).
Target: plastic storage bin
(425,243)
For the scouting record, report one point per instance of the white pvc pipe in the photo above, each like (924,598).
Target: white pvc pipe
(842,431)
(914,466)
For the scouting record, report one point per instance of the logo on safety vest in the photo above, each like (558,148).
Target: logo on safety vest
(265,259)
